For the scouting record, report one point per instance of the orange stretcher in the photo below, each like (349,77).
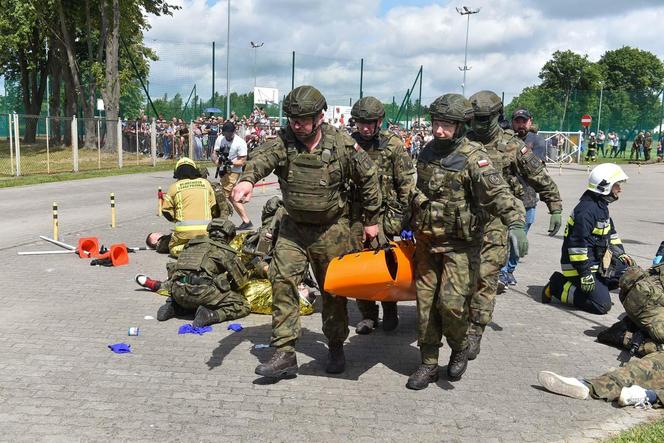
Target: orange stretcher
(384,274)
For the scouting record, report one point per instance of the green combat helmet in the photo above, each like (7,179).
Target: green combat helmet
(451,107)
(220,229)
(304,101)
(368,109)
(486,103)
(631,277)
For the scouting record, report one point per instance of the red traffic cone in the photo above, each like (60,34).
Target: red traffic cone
(88,247)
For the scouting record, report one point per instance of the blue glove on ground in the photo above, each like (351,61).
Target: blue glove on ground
(120,348)
(190,329)
(237,327)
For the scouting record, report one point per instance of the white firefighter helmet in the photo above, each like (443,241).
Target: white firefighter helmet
(604,176)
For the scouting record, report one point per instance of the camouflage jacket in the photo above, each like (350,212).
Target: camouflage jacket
(510,155)
(454,188)
(315,185)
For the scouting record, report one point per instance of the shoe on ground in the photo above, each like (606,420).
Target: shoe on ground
(146,282)
(511,280)
(634,395)
(245,226)
(474,340)
(365,326)
(458,364)
(503,283)
(390,317)
(546,294)
(421,378)
(282,364)
(168,310)
(336,360)
(567,386)
(205,317)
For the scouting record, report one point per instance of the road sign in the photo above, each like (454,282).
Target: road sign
(586,120)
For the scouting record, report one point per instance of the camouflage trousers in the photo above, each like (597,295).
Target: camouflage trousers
(299,245)
(647,372)
(230,305)
(368,308)
(493,256)
(445,282)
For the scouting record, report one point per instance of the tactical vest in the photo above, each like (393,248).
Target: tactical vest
(205,255)
(646,297)
(453,215)
(313,185)
(501,152)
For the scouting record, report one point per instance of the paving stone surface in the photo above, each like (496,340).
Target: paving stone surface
(60,382)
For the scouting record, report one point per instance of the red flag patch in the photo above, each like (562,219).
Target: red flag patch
(524,150)
(482,163)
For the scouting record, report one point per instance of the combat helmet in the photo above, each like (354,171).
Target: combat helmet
(221,229)
(486,103)
(631,277)
(304,101)
(368,109)
(451,107)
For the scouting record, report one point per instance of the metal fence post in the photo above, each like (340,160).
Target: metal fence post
(578,151)
(10,118)
(48,151)
(98,144)
(119,142)
(74,143)
(191,140)
(153,142)
(17,145)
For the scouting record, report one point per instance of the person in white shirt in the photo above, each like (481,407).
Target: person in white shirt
(234,148)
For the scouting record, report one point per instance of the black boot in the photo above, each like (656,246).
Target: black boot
(474,339)
(205,317)
(365,326)
(390,316)
(421,378)
(336,360)
(282,364)
(614,336)
(168,310)
(457,364)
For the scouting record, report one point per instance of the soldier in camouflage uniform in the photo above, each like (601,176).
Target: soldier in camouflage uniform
(642,296)
(396,176)
(456,184)
(640,383)
(509,155)
(207,278)
(314,163)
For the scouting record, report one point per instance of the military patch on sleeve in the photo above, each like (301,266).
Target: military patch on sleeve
(524,150)
(493,178)
(357,147)
(482,163)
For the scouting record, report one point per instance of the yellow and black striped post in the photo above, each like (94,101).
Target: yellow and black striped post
(112,210)
(160,198)
(55,221)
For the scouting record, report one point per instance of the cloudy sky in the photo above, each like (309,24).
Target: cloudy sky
(509,42)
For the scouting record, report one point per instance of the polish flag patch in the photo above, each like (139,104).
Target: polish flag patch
(482,163)
(524,150)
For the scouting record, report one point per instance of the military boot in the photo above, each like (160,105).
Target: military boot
(168,310)
(421,378)
(205,317)
(614,335)
(282,364)
(390,316)
(474,339)
(457,364)
(365,326)
(336,360)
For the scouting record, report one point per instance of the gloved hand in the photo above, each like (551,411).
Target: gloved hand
(406,234)
(518,240)
(627,260)
(554,223)
(657,260)
(588,283)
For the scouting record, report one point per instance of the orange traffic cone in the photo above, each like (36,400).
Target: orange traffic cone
(88,247)
(117,255)
(382,275)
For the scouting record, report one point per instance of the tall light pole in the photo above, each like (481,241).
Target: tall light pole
(468,12)
(255,46)
(599,117)
(228,63)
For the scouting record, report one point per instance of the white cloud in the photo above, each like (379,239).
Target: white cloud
(509,42)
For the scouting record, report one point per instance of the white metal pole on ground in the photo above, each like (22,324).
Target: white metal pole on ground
(98,144)
(191,140)
(48,151)
(58,243)
(119,142)
(17,145)
(10,118)
(153,141)
(74,143)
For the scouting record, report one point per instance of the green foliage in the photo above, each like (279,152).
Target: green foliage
(649,432)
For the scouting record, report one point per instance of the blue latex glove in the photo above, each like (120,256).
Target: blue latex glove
(657,260)
(120,348)
(237,327)
(190,329)
(406,234)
